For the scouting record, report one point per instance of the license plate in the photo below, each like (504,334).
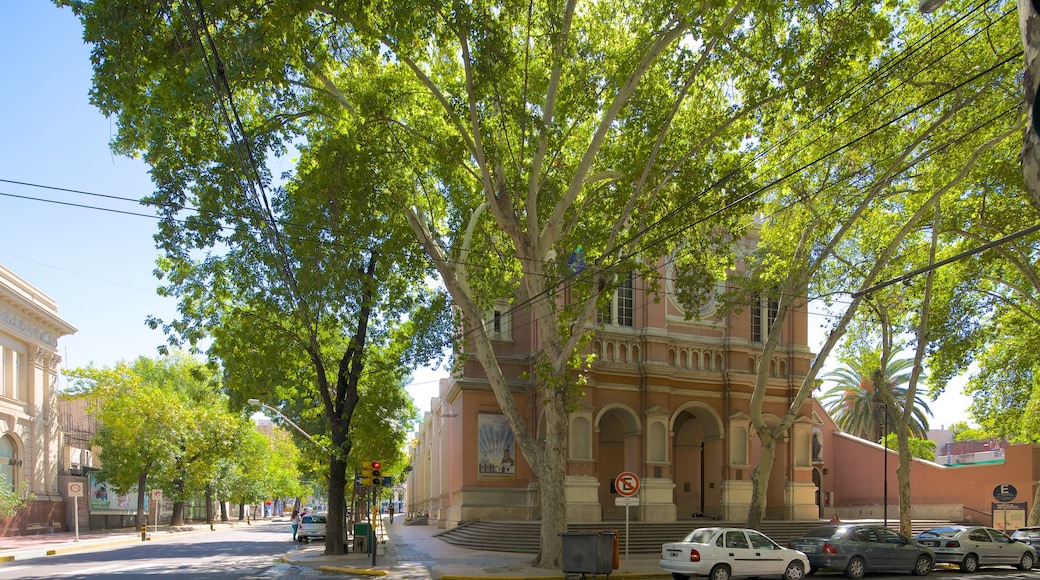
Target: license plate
(931,543)
(673,553)
(806,548)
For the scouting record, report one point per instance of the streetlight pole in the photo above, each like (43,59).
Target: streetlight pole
(884,458)
(258,403)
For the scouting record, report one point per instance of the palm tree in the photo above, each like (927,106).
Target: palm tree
(858,409)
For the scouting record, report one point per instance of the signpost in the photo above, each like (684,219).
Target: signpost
(157,503)
(627,486)
(1004,493)
(74,490)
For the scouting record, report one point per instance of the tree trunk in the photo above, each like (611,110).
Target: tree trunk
(223,511)
(551,479)
(903,476)
(177,516)
(760,478)
(241,511)
(335,536)
(1029,27)
(1034,513)
(209,504)
(142,489)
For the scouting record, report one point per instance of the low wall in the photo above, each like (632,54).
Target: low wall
(945,512)
(38,517)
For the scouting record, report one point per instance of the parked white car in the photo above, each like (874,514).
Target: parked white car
(312,526)
(720,553)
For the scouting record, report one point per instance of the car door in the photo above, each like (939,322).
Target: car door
(738,552)
(769,558)
(1005,551)
(982,544)
(899,553)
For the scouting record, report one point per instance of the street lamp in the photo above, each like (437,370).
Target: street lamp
(258,403)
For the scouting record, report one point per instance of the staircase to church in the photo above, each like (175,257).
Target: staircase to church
(644,537)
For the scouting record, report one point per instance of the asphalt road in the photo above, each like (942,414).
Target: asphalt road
(244,552)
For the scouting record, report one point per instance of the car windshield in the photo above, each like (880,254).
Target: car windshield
(700,536)
(823,532)
(314,519)
(940,533)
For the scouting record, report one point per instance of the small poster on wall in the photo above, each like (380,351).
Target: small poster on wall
(496,450)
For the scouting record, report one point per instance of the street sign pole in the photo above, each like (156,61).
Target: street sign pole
(627,486)
(75,489)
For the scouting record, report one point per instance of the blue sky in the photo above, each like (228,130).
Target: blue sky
(98,264)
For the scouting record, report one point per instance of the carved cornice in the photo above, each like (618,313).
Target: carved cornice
(26,327)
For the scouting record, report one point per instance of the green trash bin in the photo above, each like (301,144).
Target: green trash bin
(361,534)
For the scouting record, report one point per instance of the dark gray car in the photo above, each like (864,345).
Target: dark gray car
(1030,535)
(860,548)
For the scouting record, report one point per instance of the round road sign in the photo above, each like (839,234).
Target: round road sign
(1005,492)
(627,484)
(75,489)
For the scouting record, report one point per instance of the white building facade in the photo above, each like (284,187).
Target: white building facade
(30,438)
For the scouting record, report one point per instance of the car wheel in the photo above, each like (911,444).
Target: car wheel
(923,566)
(856,569)
(678,576)
(813,570)
(794,571)
(719,572)
(1027,561)
(970,563)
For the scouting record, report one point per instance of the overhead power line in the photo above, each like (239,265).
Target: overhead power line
(906,277)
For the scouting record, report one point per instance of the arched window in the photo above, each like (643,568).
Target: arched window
(8,457)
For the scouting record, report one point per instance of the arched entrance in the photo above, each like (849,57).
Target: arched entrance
(619,451)
(697,462)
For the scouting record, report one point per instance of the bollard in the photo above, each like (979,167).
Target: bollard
(211,525)
(144,530)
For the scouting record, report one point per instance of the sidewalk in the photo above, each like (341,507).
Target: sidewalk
(412,552)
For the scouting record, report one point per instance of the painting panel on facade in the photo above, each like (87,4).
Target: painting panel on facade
(103,497)
(495,448)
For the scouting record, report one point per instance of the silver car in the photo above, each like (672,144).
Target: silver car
(972,547)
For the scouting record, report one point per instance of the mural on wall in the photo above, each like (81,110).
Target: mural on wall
(103,497)
(495,447)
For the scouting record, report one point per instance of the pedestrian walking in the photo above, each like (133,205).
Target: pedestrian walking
(295,523)
(391,514)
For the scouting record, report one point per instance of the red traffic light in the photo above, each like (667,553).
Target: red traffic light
(375,465)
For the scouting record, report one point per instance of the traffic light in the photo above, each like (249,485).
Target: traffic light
(371,473)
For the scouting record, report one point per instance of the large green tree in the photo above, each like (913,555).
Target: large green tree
(599,134)
(294,279)
(853,200)
(162,423)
